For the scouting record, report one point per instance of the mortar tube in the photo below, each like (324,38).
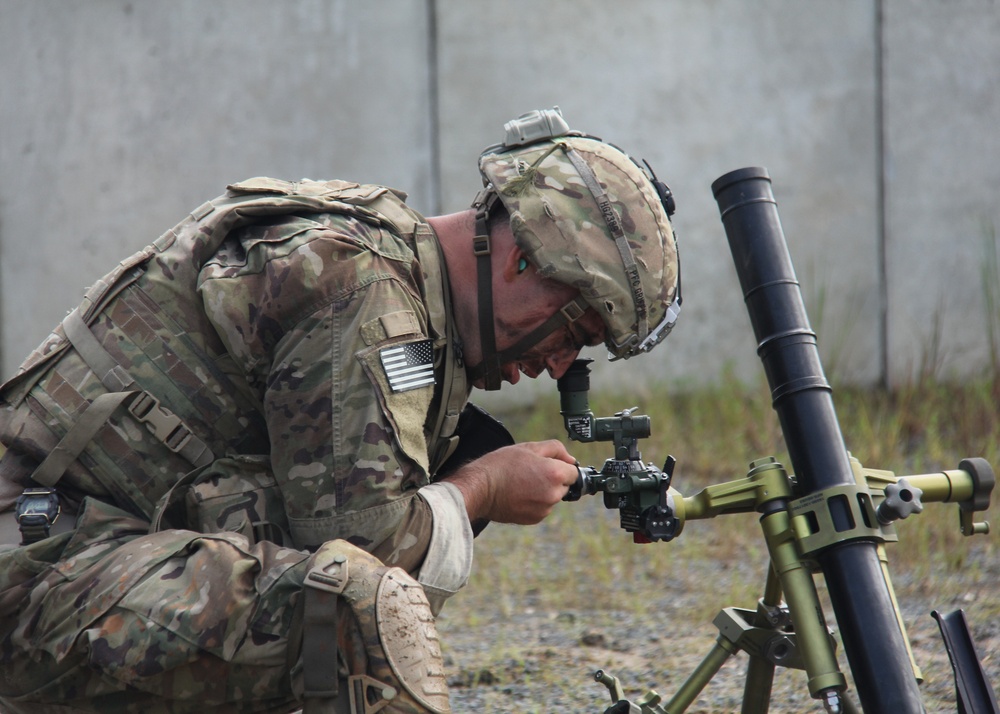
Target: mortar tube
(874,645)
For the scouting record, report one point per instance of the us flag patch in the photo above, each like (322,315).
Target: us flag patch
(409,366)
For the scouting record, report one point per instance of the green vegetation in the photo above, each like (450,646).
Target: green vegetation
(714,433)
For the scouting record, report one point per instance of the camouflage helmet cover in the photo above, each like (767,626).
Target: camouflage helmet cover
(607,234)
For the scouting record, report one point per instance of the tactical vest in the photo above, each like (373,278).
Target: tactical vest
(135,390)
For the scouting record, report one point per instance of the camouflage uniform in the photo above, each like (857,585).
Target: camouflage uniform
(252,341)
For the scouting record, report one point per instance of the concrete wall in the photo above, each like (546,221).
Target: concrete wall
(877,120)
(942,139)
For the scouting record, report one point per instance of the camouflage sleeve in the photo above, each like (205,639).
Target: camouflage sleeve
(434,542)
(406,547)
(307,307)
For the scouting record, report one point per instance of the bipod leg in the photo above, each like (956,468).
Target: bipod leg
(702,675)
(813,641)
(760,670)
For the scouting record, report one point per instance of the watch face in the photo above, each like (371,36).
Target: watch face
(37,504)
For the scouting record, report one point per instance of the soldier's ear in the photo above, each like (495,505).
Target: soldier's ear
(514,264)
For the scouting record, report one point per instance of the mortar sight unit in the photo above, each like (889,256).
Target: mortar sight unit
(640,492)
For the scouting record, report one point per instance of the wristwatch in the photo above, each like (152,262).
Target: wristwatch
(36,510)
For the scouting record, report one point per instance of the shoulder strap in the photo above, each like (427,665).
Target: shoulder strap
(145,407)
(122,390)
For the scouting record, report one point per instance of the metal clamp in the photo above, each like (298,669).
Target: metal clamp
(835,515)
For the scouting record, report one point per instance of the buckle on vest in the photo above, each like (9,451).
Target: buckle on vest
(162,423)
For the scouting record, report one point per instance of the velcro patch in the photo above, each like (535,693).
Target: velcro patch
(408,366)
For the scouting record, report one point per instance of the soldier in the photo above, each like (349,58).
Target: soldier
(243,476)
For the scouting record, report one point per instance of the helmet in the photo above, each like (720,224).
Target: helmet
(587,215)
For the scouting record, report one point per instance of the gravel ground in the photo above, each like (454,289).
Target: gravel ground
(532,657)
(556,657)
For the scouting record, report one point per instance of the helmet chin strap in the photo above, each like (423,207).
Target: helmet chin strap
(570,312)
(490,366)
(489,369)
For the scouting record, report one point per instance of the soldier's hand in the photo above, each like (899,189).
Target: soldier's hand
(516,484)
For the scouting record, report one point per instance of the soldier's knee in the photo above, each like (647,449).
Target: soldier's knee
(386,636)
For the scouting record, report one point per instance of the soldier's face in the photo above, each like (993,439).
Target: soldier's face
(555,353)
(522,301)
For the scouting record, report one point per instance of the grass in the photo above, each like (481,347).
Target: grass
(580,567)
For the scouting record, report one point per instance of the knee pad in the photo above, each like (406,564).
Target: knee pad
(386,637)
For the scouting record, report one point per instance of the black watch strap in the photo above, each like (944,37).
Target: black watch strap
(34,528)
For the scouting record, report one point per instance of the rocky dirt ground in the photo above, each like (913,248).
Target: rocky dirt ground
(551,657)
(524,654)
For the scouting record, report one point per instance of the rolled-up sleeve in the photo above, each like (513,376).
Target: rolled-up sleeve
(448,561)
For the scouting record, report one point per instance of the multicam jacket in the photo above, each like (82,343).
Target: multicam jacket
(250,359)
